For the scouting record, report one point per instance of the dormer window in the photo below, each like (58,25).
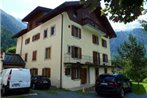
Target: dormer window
(75,14)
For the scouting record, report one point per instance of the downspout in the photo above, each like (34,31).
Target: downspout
(61,59)
(21,46)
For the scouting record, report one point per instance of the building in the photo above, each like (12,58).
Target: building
(11,60)
(68,44)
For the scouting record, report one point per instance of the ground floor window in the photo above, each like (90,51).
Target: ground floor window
(67,71)
(105,70)
(34,71)
(46,72)
(75,73)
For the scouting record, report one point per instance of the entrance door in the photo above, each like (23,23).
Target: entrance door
(83,75)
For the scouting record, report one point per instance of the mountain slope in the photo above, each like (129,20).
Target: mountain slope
(123,36)
(9,26)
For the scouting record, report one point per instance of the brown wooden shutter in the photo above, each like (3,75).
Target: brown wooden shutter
(79,33)
(72,31)
(72,52)
(80,49)
(95,58)
(93,38)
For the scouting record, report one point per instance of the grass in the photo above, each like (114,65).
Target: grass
(142,89)
(16,96)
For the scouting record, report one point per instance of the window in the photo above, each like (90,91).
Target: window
(34,71)
(45,33)
(34,56)
(27,41)
(46,72)
(75,73)
(26,57)
(69,49)
(52,30)
(48,53)
(96,58)
(105,70)
(95,39)
(76,32)
(36,37)
(104,43)
(67,71)
(76,52)
(75,14)
(105,58)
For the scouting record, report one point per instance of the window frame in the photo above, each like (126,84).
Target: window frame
(46,72)
(104,43)
(75,73)
(46,57)
(54,26)
(76,32)
(27,41)
(34,53)
(45,33)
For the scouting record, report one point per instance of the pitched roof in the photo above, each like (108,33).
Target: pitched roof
(35,11)
(13,59)
(20,33)
(61,8)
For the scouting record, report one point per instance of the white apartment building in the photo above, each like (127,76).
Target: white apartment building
(68,44)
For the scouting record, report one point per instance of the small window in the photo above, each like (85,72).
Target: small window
(105,58)
(26,57)
(76,32)
(75,14)
(46,72)
(95,39)
(76,52)
(96,58)
(34,56)
(105,70)
(75,73)
(69,49)
(27,41)
(34,71)
(67,71)
(36,37)
(104,43)
(45,33)
(48,53)
(52,30)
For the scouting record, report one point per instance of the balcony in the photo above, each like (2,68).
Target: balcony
(85,60)
(92,26)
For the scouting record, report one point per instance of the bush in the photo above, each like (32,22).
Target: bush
(145,80)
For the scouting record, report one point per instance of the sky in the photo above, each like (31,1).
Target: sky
(20,8)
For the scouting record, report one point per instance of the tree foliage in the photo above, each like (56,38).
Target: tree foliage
(118,10)
(132,54)
(11,50)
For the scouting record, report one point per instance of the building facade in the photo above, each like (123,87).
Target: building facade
(68,44)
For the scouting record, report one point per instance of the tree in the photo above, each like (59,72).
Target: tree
(132,54)
(118,10)
(11,50)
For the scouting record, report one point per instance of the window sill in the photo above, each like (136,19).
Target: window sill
(76,37)
(76,79)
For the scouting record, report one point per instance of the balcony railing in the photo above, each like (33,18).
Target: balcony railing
(93,24)
(85,60)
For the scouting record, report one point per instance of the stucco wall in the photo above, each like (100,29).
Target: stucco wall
(53,41)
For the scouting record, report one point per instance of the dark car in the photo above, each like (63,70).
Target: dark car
(40,82)
(112,84)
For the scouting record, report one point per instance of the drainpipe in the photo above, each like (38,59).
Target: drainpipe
(61,59)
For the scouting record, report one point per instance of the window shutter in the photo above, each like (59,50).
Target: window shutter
(73,52)
(72,30)
(80,53)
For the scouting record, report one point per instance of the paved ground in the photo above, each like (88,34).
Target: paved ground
(58,93)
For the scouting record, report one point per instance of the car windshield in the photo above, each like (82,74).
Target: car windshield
(107,77)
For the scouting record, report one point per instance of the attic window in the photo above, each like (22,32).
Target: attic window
(75,14)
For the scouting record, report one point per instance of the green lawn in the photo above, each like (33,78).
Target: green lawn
(142,89)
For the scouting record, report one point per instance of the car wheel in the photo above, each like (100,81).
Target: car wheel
(3,91)
(122,93)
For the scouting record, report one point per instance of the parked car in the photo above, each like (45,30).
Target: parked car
(39,82)
(15,79)
(112,84)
